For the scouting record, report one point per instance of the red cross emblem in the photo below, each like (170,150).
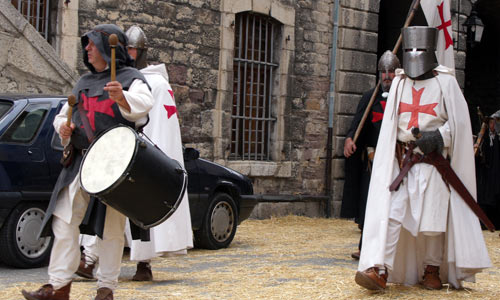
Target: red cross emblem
(171,110)
(444,26)
(378,116)
(91,105)
(415,108)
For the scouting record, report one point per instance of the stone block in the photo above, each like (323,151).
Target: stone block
(85,5)
(15,19)
(261,6)
(338,168)
(282,13)
(460,60)
(110,3)
(268,210)
(321,17)
(342,125)
(360,20)
(357,39)
(354,82)
(347,103)
(235,6)
(363,62)
(338,187)
(366,5)
(338,146)
(177,73)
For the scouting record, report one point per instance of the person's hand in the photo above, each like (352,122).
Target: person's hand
(349,147)
(115,92)
(65,131)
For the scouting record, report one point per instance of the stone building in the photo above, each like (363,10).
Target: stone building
(254,80)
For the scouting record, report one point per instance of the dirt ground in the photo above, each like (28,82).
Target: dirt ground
(279,258)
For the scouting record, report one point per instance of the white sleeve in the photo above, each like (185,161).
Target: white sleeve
(60,119)
(139,99)
(445,134)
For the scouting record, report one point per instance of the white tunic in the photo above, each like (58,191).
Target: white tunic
(421,106)
(175,234)
(465,249)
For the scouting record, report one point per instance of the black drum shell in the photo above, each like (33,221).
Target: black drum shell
(150,189)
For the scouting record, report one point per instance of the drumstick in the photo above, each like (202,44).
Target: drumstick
(113,41)
(71,103)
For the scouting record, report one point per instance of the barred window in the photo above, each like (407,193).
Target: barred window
(255,47)
(36,12)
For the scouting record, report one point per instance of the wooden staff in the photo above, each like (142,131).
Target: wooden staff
(409,18)
(481,133)
(71,103)
(113,42)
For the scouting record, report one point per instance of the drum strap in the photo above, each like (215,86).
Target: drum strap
(85,122)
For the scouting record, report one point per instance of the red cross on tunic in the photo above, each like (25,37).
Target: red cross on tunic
(415,108)
(378,116)
(91,105)
(444,26)
(171,109)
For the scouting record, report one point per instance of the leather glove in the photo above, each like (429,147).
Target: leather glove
(430,141)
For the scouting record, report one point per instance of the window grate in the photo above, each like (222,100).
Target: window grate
(36,12)
(252,119)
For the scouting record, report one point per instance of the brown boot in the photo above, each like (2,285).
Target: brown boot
(47,292)
(370,279)
(431,278)
(104,293)
(143,272)
(356,255)
(85,270)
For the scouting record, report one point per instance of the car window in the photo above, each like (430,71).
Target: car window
(26,126)
(4,108)
(56,142)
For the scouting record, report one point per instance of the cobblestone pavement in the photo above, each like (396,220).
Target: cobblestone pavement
(279,258)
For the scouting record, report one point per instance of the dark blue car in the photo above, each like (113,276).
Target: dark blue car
(30,150)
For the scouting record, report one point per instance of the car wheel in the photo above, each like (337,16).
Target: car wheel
(219,224)
(20,247)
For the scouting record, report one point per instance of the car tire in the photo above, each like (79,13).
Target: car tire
(219,224)
(20,248)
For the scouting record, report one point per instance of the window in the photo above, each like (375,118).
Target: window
(254,66)
(26,126)
(36,12)
(4,108)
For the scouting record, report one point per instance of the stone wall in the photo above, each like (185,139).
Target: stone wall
(356,68)
(193,39)
(28,64)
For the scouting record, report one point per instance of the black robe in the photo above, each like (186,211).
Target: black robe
(357,173)
(488,178)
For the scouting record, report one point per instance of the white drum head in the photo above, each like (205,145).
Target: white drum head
(107,159)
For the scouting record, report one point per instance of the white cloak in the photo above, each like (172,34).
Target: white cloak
(175,234)
(465,249)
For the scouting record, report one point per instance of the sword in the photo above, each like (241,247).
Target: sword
(444,168)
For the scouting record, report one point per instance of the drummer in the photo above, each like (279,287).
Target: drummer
(101,104)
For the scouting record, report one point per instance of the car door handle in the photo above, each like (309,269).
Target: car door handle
(30,152)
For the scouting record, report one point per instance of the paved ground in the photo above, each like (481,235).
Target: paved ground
(279,258)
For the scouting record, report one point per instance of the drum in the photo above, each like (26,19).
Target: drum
(133,176)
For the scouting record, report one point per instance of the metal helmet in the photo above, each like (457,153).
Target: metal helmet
(137,39)
(419,46)
(388,62)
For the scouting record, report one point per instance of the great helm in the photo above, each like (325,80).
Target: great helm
(137,39)
(419,46)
